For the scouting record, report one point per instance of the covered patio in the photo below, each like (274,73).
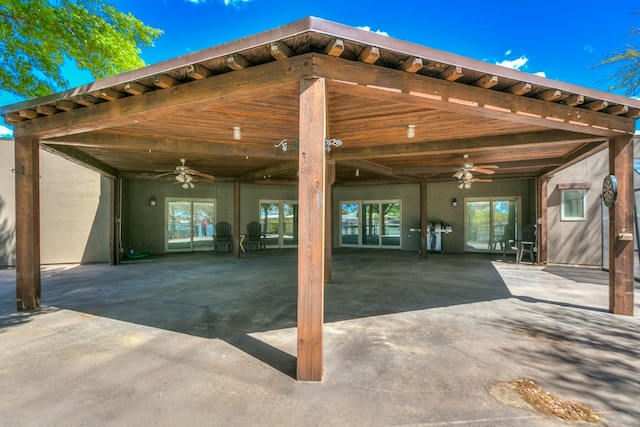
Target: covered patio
(349,104)
(217,342)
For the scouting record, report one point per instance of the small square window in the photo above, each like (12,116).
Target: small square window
(572,207)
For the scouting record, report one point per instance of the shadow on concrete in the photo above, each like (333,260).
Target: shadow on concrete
(216,296)
(559,303)
(596,276)
(600,361)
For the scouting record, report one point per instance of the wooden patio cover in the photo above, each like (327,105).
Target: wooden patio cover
(310,82)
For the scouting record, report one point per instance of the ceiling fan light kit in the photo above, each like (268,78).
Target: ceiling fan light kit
(185,175)
(464,174)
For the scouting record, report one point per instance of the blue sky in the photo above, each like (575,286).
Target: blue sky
(559,39)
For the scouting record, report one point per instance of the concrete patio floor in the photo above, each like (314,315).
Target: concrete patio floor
(205,339)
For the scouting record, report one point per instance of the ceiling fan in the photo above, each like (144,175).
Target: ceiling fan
(185,175)
(464,174)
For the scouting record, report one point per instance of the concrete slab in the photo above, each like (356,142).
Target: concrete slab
(205,339)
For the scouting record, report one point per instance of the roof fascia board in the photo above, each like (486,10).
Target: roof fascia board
(333,29)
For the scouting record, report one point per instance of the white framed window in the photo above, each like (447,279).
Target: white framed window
(573,204)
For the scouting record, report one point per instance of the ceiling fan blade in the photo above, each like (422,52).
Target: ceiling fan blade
(164,174)
(481,180)
(200,174)
(458,174)
(481,169)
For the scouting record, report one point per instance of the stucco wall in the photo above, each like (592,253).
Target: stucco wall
(144,223)
(74,211)
(579,242)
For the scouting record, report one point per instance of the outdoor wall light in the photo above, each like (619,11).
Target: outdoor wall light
(153,201)
(454,202)
(237,133)
(411,131)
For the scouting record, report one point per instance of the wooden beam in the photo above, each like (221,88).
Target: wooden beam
(334,48)
(328,237)
(423,220)
(596,105)
(66,105)
(486,82)
(370,167)
(519,88)
(311,228)
(115,185)
(357,79)
(616,110)
(240,86)
(463,145)
(369,55)
(412,64)
(46,110)
(586,150)
(134,88)
(549,95)
(197,72)
(28,114)
(621,228)
(80,158)
(108,94)
(167,145)
(542,231)
(633,113)
(87,100)
(236,220)
(452,73)
(237,62)
(279,50)
(11,118)
(164,81)
(524,164)
(27,225)
(276,170)
(574,100)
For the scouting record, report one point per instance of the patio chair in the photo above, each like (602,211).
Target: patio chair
(527,243)
(254,235)
(222,236)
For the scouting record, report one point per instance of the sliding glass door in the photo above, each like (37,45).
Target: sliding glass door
(372,224)
(491,221)
(279,219)
(189,224)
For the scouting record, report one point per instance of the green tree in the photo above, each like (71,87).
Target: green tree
(627,77)
(37,37)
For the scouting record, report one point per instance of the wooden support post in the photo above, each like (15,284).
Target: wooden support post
(114,221)
(542,219)
(311,233)
(27,172)
(423,220)
(236,219)
(328,238)
(621,227)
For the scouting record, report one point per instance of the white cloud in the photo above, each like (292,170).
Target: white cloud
(540,73)
(233,3)
(508,52)
(515,64)
(368,28)
(196,1)
(588,48)
(6,132)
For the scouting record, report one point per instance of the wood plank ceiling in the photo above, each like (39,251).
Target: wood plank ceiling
(142,122)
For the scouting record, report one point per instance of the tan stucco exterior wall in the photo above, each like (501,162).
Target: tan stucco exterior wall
(579,242)
(74,211)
